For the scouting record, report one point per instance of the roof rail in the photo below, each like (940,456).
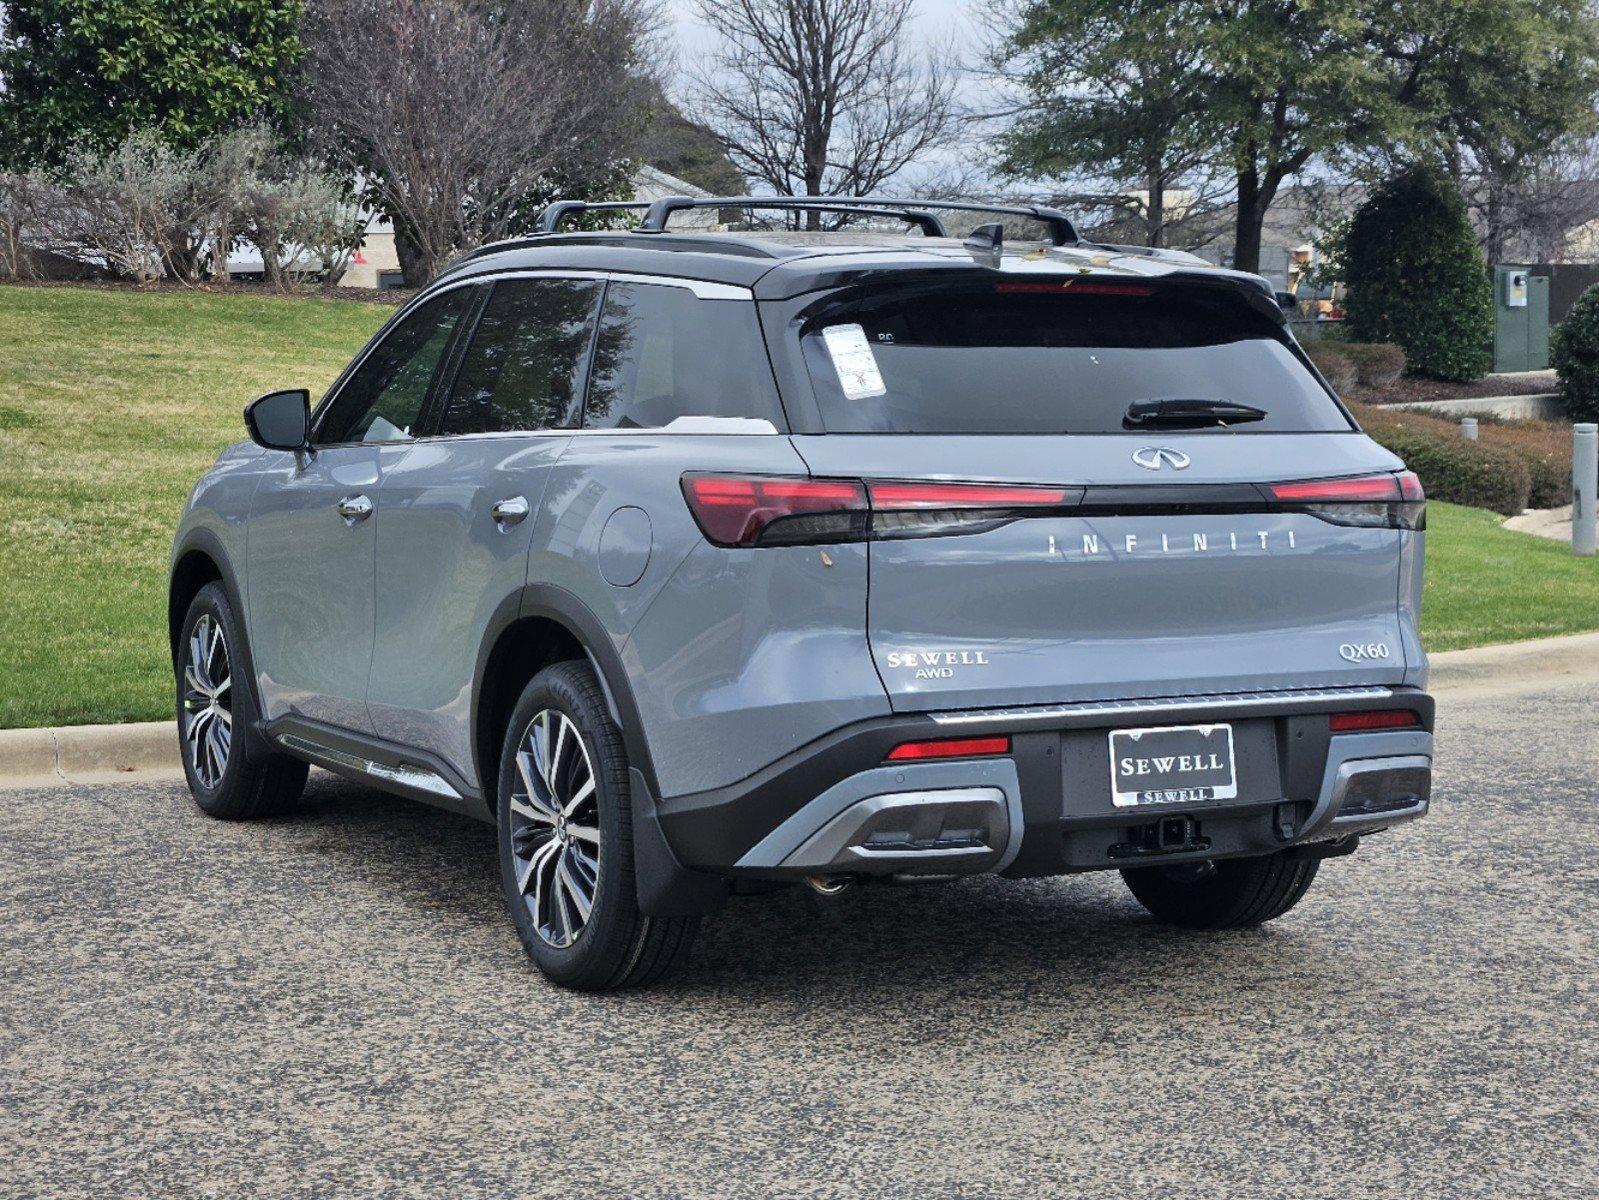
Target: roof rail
(921,213)
(550,219)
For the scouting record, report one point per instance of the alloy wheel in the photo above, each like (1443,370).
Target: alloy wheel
(208,701)
(555,828)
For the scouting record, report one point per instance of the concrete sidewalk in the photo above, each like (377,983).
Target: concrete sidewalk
(81,754)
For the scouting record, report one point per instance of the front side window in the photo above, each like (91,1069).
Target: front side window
(1040,357)
(382,401)
(663,353)
(524,369)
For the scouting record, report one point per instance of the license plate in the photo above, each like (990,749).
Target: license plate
(1180,764)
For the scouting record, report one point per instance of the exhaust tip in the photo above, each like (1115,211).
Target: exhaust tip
(827,885)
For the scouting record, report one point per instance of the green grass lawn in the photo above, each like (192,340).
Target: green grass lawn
(1486,584)
(112,402)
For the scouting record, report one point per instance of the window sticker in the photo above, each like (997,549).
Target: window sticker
(854,361)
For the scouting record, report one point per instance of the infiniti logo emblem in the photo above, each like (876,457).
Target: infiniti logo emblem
(1152,458)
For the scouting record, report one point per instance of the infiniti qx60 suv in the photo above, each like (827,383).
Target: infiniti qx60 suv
(703,561)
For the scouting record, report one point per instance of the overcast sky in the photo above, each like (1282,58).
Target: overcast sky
(937,18)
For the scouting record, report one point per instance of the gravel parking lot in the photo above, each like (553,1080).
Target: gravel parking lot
(335,1005)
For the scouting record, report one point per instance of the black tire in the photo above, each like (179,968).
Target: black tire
(254,780)
(1236,893)
(615,945)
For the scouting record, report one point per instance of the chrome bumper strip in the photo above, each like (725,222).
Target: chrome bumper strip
(1230,701)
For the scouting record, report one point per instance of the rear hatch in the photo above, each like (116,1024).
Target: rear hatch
(1170,501)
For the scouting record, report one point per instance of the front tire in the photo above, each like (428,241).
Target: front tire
(566,842)
(1233,894)
(231,775)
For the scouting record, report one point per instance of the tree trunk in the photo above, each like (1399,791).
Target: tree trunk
(1155,211)
(415,263)
(1251,216)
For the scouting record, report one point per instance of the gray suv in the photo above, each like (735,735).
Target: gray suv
(704,562)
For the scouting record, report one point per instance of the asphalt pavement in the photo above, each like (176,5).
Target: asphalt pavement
(334,1005)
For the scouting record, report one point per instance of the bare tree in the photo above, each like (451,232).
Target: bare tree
(822,97)
(460,115)
(1528,208)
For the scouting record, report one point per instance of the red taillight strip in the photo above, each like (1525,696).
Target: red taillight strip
(980,747)
(1382,718)
(892,496)
(733,510)
(1364,489)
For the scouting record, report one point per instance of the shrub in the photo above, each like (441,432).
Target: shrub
(1378,365)
(1478,474)
(1332,360)
(1416,277)
(1575,352)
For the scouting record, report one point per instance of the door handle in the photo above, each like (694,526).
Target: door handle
(354,508)
(510,511)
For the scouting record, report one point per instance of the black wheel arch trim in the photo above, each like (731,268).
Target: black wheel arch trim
(204,541)
(557,604)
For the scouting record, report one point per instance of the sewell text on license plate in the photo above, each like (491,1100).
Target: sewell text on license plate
(1179,764)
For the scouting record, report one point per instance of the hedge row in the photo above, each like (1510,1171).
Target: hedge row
(1513,465)
(1374,364)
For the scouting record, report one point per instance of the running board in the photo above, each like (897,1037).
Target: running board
(405,778)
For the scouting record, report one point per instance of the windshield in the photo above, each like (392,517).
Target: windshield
(1043,357)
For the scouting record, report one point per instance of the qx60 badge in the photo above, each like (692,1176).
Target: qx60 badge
(1153,458)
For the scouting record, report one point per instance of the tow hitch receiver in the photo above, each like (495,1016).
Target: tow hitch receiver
(1169,835)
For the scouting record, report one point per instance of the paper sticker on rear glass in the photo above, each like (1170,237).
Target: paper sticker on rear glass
(854,361)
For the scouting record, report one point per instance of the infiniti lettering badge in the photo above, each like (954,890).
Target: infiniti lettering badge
(1153,458)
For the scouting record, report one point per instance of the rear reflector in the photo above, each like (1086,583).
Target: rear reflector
(982,747)
(1382,718)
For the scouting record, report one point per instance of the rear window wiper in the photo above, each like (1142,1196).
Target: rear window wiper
(1188,414)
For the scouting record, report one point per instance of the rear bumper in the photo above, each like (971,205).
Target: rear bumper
(836,808)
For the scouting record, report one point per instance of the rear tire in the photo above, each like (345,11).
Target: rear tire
(565,817)
(233,775)
(1236,893)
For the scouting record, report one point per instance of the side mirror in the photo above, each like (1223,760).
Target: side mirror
(1288,302)
(280,420)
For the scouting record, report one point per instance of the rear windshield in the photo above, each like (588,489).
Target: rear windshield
(1029,357)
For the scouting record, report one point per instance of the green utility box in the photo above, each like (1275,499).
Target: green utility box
(1521,320)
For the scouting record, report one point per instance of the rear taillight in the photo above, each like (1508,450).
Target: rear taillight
(760,510)
(1380,718)
(1382,501)
(980,747)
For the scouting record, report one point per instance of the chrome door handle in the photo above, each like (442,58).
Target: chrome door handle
(510,511)
(354,508)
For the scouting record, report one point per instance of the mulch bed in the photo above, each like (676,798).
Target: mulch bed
(1412,390)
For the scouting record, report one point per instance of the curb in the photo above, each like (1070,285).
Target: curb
(79,753)
(106,753)
(1517,663)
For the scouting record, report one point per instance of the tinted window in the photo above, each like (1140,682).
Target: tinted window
(382,400)
(524,369)
(663,353)
(993,360)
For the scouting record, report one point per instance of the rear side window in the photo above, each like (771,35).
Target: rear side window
(524,368)
(1030,357)
(663,353)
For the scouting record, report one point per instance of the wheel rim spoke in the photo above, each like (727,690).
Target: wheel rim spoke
(556,836)
(207,710)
